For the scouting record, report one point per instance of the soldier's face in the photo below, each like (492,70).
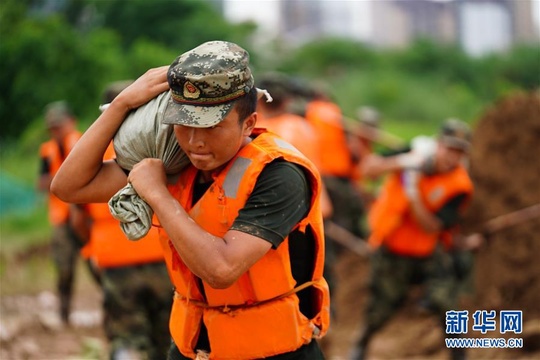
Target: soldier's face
(448,158)
(210,149)
(60,131)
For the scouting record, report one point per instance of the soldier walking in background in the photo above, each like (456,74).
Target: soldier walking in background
(69,231)
(276,117)
(336,161)
(423,196)
(336,165)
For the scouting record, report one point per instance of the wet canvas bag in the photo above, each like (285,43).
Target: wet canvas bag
(142,135)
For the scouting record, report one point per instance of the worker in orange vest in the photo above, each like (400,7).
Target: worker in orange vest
(275,116)
(421,199)
(137,292)
(337,163)
(337,168)
(241,227)
(69,231)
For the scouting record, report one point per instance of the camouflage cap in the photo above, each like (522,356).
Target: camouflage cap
(57,113)
(456,134)
(204,83)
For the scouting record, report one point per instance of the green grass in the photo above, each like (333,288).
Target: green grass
(24,227)
(20,230)
(409,129)
(28,275)
(20,158)
(408,104)
(25,264)
(23,215)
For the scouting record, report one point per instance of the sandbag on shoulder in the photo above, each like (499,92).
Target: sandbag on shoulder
(142,135)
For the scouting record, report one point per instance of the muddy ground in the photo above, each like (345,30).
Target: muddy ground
(30,327)
(505,168)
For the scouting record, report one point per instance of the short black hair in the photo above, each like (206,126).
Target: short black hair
(246,105)
(277,84)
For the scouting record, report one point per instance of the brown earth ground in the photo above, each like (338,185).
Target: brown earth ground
(505,167)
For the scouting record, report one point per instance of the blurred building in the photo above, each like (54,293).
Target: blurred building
(479,26)
(305,20)
(494,25)
(397,23)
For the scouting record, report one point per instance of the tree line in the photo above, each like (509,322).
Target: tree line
(52,50)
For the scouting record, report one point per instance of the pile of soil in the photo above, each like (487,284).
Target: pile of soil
(505,168)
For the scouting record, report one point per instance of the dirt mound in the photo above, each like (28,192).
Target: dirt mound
(505,168)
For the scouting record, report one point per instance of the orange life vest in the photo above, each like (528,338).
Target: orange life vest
(391,219)
(297,131)
(257,316)
(58,210)
(109,247)
(335,157)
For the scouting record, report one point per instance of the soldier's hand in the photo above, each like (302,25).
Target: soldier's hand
(145,88)
(148,178)
(473,241)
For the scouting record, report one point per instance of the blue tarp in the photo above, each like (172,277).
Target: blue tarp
(15,196)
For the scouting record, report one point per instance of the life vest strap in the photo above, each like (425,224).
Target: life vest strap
(228,308)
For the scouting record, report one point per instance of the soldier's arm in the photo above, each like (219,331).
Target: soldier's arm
(84,177)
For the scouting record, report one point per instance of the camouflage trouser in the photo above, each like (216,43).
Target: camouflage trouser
(137,305)
(392,275)
(65,248)
(463,261)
